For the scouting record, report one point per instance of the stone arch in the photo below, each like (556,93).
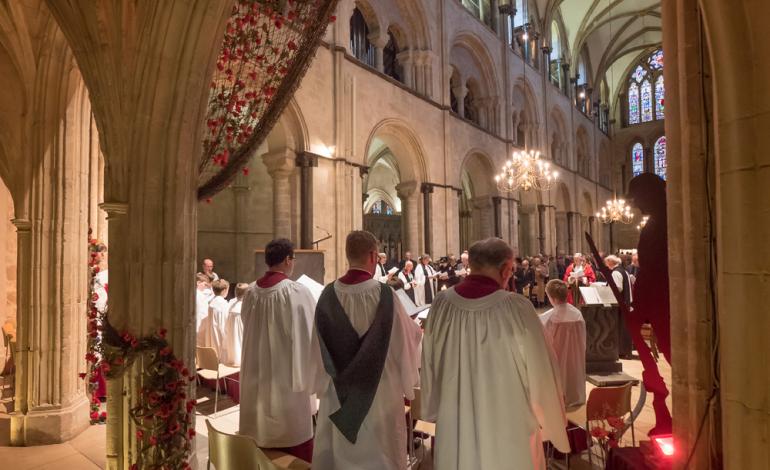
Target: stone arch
(405,146)
(418,32)
(478,219)
(583,152)
(470,57)
(558,143)
(371,15)
(525,118)
(290,131)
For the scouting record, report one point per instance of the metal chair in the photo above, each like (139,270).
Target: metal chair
(211,369)
(234,452)
(613,402)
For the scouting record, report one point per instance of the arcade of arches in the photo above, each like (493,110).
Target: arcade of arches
(404,118)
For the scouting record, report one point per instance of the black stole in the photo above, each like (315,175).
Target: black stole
(428,285)
(354,364)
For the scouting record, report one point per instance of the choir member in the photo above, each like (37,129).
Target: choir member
(203,295)
(566,330)
(425,277)
(380,272)
(406,276)
(368,363)
(488,377)
(234,328)
(277,313)
(212,330)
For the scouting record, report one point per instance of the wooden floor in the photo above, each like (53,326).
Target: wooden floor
(87,451)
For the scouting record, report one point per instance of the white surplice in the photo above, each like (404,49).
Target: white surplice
(202,299)
(490,384)
(212,330)
(423,282)
(276,403)
(381,442)
(233,334)
(565,329)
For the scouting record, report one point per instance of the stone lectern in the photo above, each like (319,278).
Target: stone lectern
(309,262)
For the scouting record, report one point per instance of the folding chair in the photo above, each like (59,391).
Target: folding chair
(234,452)
(612,402)
(211,369)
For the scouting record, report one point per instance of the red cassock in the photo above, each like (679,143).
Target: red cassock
(589,273)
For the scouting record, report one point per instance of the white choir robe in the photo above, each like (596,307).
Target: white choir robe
(276,403)
(212,330)
(490,384)
(423,283)
(381,442)
(404,281)
(565,329)
(233,334)
(380,273)
(202,299)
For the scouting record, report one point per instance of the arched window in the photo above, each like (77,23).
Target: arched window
(660,157)
(381,208)
(646,91)
(633,104)
(390,58)
(360,46)
(637,159)
(659,98)
(555,57)
(481,9)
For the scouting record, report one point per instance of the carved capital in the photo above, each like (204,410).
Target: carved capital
(114,209)
(22,225)
(406,190)
(280,163)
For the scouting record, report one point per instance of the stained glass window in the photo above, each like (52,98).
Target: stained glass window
(633,104)
(660,157)
(646,101)
(660,92)
(639,73)
(637,159)
(656,60)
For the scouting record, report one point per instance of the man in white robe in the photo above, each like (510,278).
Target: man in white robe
(488,377)
(212,332)
(208,269)
(565,329)
(203,295)
(277,313)
(425,277)
(367,362)
(406,276)
(234,327)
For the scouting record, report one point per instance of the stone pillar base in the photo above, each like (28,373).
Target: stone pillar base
(49,426)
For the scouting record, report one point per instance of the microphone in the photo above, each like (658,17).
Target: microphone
(327,232)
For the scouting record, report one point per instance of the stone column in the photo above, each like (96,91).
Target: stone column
(280,165)
(306,162)
(573,232)
(513,214)
(485,227)
(407,192)
(427,189)
(460,92)
(379,42)
(562,233)
(407,66)
(497,216)
(148,70)
(419,72)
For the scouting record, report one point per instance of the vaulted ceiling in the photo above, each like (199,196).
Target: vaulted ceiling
(612,32)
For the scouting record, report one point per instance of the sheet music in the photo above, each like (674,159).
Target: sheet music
(424,314)
(606,296)
(392,270)
(409,306)
(315,287)
(590,295)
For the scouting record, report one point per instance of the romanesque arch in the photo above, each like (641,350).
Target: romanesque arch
(525,117)
(558,140)
(479,215)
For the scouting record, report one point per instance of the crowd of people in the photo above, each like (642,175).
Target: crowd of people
(356,349)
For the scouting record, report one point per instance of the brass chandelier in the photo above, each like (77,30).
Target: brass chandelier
(525,170)
(616,210)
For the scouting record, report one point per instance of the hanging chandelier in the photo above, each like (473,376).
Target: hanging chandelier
(524,171)
(616,210)
(643,222)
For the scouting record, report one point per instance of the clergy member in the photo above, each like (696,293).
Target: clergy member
(380,272)
(277,313)
(208,269)
(488,377)
(234,328)
(425,276)
(368,363)
(203,295)
(406,276)
(566,331)
(578,274)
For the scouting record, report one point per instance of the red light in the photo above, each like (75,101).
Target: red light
(666,445)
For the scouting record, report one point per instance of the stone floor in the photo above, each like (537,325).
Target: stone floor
(87,451)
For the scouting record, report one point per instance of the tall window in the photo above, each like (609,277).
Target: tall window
(390,59)
(646,90)
(660,157)
(359,39)
(637,159)
(481,9)
(555,57)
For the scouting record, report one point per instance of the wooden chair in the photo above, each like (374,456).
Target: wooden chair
(211,369)
(611,402)
(234,452)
